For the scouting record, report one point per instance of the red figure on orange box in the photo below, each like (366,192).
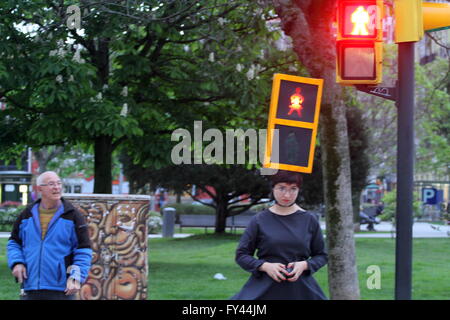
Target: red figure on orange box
(296,102)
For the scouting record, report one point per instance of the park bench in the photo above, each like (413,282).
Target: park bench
(209,221)
(241,220)
(197,221)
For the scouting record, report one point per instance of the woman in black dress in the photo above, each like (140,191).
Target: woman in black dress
(289,245)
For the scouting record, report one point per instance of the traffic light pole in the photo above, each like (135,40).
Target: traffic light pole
(405,171)
(409,29)
(403,94)
(412,17)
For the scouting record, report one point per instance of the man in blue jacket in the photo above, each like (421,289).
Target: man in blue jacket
(49,251)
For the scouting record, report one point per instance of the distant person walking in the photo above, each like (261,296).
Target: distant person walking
(161,193)
(49,251)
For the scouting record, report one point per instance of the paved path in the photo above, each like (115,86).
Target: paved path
(420,230)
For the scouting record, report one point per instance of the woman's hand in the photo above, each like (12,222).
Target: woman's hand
(297,269)
(276,271)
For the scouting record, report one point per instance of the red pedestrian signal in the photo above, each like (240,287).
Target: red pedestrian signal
(294,119)
(296,102)
(359,42)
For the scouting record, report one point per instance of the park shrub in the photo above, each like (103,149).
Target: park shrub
(154,222)
(390,206)
(261,206)
(9,214)
(187,208)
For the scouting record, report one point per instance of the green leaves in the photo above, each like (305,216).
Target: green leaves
(179,62)
(433,114)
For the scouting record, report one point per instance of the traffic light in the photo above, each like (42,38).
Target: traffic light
(293,121)
(359,42)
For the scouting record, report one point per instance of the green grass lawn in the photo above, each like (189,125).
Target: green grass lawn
(184,268)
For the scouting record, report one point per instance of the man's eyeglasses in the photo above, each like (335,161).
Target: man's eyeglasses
(292,190)
(52,184)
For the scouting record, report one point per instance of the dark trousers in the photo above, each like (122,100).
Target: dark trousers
(46,295)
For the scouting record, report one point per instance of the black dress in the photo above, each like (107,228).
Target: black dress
(281,239)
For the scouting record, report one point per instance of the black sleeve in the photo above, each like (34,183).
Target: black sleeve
(81,230)
(319,255)
(15,233)
(247,247)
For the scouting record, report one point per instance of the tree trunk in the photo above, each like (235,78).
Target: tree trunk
(103,162)
(221,215)
(342,271)
(309,24)
(103,147)
(356,206)
(45,155)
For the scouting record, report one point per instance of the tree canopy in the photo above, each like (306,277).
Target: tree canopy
(131,74)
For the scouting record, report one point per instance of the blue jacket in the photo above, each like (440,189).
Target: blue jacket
(65,244)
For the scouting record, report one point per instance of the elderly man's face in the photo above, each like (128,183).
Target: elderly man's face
(50,187)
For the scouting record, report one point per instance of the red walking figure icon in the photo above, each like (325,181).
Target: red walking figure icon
(296,102)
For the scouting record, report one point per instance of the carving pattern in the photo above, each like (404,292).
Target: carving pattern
(118,232)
